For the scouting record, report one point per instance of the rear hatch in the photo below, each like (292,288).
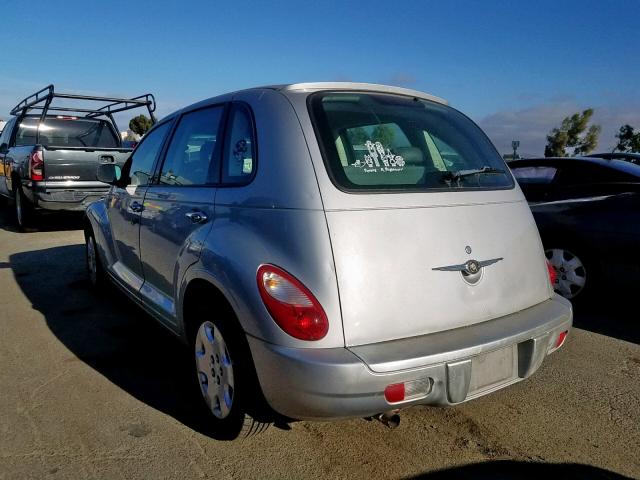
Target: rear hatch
(429,230)
(386,261)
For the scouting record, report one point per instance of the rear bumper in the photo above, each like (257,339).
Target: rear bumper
(447,366)
(67,199)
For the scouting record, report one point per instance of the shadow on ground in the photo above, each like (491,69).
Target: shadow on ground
(611,312)
(110,333)
(43,222)
(512,470)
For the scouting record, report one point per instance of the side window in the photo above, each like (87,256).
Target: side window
(6,133)
(240,148)
(140,166)
(192,155)
(26,132)
(585,174)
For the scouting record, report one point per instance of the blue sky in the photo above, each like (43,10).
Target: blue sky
(515,67)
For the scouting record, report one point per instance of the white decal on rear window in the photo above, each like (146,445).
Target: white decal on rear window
(377,154)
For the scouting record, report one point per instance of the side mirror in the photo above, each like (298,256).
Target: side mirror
(109,173)
(4,148)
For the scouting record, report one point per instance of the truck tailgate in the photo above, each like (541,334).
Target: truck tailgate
(78,165)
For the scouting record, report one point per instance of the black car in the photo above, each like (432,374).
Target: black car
(588,213)
(627,157)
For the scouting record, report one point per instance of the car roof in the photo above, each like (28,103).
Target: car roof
(311,87)
(357,86)
(620,165)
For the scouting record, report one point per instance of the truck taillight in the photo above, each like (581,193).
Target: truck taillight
(291,304)
(36,165)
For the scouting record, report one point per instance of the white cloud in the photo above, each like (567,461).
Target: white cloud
(531,125)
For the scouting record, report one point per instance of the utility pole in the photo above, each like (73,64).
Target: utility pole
(515,144)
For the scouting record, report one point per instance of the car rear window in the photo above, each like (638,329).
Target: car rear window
(73,132)
(542,175)
(390,142)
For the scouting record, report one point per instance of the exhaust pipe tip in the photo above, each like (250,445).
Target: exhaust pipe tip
(389,419)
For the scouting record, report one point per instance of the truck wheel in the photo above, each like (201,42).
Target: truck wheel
(223,371)
(23,209)
(94,266)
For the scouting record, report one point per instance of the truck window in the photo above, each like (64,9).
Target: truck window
(71,132)
(6,133)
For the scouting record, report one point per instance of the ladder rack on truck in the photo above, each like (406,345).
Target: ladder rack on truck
(43,101)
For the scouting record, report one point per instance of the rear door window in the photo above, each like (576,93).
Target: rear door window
(390,142)
(192,156)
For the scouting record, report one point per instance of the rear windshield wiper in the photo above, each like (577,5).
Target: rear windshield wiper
(457,175)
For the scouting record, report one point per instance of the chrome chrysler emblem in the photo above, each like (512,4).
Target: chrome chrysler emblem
(471,267)
(467,249)
(471,270)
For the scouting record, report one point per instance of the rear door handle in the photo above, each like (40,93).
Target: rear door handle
(197,217)
(136,207)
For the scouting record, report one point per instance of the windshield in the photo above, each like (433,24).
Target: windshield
(391,142)
(63,132)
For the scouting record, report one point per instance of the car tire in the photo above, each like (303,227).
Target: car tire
(23,210)
(95,269)
(226,379)
(575,273)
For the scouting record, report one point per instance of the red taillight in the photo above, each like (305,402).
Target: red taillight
(561,339)
(291,304)
(553,275)
(36,165)
(394,393)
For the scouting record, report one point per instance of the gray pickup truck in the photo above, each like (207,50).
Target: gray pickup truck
(51,147)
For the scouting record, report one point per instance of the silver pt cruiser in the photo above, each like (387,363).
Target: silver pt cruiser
(329,250)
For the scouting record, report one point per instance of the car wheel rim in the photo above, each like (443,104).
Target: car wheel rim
(215,370)
(571,275)
(92,261)
(18,208)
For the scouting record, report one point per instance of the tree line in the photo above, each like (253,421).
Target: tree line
(576,137)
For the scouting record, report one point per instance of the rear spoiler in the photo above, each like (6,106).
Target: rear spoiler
(43,101)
